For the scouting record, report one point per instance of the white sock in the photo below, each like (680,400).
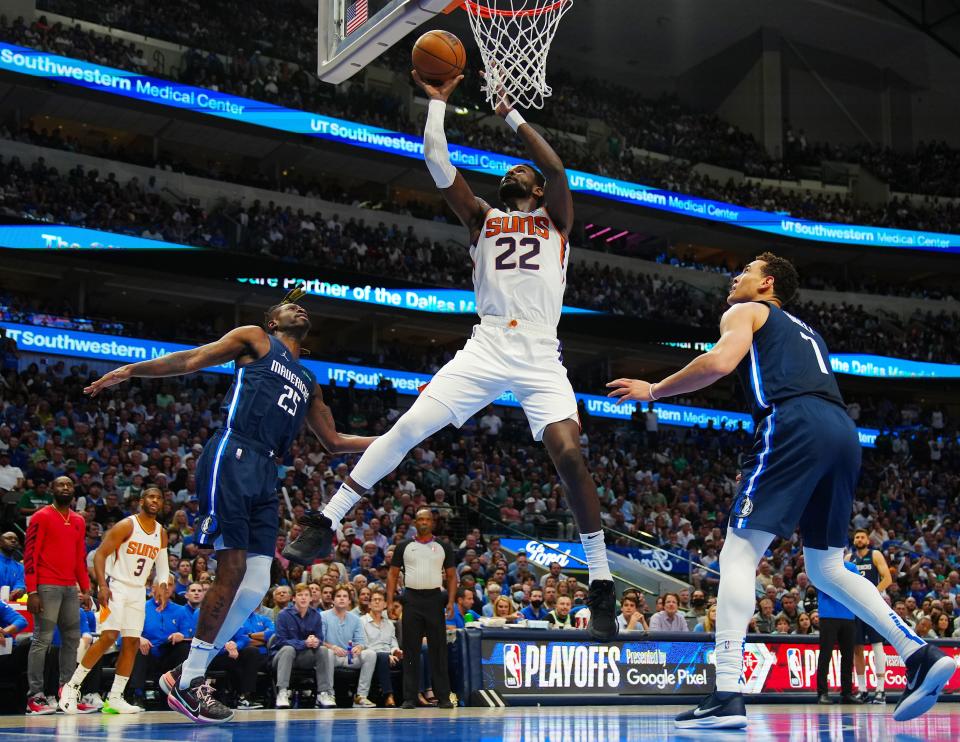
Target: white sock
(78,675)
(826,571)
(595,548)
(862,681)
(119,685)
(880,666)
(199,659)
(341,504)
(736,599)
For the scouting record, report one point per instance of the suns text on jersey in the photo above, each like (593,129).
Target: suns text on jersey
(535,226)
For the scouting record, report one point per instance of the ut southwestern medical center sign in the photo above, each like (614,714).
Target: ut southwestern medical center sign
(23,60)
(88,345)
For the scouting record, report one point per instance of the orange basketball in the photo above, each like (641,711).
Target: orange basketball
(438,56)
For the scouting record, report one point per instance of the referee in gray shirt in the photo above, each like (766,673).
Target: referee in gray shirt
(426,565)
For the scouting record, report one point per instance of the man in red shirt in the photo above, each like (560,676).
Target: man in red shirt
(54,563)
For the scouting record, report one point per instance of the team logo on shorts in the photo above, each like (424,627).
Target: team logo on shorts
(746,508)
(209,526)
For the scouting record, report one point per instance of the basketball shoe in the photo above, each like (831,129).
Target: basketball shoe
(315,541)
(716,711)
(928,670)
(602,602)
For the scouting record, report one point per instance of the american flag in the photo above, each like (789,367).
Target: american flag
(356,15)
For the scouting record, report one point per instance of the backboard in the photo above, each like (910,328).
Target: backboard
(352,33)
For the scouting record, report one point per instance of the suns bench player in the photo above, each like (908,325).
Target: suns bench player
(123,563)
(520,257)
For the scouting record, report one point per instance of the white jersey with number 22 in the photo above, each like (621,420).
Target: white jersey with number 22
(520,267)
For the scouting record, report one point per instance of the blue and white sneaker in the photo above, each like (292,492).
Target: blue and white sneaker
(928,670)
(715,712)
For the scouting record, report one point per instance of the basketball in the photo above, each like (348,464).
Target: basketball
(438,56)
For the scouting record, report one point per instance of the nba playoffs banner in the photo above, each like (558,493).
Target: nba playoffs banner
(77,344)
(26,61)
(440,301)
(583,668)
(549,665)
(61,237)
(785,667)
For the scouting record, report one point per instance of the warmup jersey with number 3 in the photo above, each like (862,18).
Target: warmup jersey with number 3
(805,462)
(237,471)
(520,267)
(132,562)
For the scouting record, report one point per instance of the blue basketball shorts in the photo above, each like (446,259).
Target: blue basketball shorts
(803,470)
(237,489)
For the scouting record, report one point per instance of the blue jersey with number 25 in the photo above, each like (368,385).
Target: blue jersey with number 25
(269,398)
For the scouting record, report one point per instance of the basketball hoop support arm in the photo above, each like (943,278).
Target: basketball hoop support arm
(337,64)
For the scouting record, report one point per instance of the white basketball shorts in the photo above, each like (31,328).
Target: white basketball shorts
(501,357)
(126,610)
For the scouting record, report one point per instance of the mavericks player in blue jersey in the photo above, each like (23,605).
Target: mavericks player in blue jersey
(272,396)
(803,472)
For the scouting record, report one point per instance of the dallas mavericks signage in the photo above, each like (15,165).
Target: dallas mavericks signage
(662,560)
(441,301)
(881,367)
(76,344)
(128,84)
(60,237)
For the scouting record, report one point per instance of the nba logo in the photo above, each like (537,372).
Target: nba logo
(512,666)
(795,667)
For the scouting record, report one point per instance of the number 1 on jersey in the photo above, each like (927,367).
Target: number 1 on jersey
(816,350)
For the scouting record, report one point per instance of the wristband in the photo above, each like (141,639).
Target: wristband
(650,392)
(514,119)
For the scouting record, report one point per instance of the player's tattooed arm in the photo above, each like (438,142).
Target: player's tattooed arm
(249,341)
(320,421)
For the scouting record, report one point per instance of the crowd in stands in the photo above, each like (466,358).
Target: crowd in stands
(93,199)
(673,485)
(662,125)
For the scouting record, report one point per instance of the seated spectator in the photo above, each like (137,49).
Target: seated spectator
(504,608)
(184,578)
(298,642)
(764,621)
(805,625)
(554,572)
(630,618)
(788,604)
(163,643)
(193,597)
(560,617)
(282,595)
(670,618)
(781,625)
(698,605)
(493,592)
(11,568)
(536,610)
(381,637)
(242,659)
(708,623)
(344,646)
(463,612)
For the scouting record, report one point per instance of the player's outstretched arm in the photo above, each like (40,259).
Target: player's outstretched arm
(243,341)
(736,335)
(556,192)
(453,186)
(320,421)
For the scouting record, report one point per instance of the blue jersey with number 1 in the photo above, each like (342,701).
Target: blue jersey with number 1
(787,359)
(269,399)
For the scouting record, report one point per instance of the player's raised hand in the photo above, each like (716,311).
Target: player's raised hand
(117,376)
(503,106)
(627,390)
(437,92)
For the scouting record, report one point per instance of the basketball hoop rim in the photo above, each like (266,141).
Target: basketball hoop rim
(476,9)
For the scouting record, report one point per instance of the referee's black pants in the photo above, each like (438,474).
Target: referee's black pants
(423,616)
(836,631)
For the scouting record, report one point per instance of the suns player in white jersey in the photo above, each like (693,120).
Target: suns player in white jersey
(123,563)
(520,255)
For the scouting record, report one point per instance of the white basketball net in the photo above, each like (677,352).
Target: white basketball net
(514,42)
